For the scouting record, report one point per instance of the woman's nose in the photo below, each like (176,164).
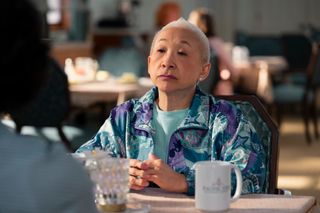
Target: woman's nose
(168,62)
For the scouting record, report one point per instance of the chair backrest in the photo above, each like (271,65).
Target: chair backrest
(260,45)
(256,113)
(52,104)
(79,18)
(297,51)
(315,34)
(315,68)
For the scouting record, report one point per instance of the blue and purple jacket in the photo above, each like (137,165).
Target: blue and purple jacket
(212,130)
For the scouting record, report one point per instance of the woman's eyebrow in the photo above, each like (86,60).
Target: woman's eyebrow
(182,41)
(162,39)
(186,42)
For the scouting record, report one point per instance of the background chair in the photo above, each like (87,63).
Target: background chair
(79,20)
(51,106)
(297,50)
(255,112)
(291,93)
(315,33)
(126,58)
(260,45)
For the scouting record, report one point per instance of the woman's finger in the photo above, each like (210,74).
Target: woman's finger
(138,164)
(135,163)
(137,172)
(137,183)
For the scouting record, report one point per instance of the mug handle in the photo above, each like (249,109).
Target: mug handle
(239,183)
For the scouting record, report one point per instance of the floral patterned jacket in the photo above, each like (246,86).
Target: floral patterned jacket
(212,130)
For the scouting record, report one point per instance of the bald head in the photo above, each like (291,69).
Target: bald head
(201,37)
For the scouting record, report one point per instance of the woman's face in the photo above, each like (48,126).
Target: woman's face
(175,63)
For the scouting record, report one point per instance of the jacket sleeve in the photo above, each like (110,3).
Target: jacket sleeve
(241,146)
(190,178)
(110,136)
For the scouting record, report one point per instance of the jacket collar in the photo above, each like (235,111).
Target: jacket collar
(197,115)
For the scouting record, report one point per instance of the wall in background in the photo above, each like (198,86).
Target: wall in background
(252,16)
(265,16)
(143,17)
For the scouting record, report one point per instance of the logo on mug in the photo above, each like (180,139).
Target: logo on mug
(216,187)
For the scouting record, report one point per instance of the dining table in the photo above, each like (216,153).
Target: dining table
(257,73)
(276,64)
(156,200)
(84,94)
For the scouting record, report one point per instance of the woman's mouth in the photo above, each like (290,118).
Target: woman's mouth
(167,77)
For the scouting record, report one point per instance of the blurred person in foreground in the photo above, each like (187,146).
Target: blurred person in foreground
(175,124)
(226,74)
(36,176)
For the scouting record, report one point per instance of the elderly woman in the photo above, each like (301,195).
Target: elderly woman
(175,124)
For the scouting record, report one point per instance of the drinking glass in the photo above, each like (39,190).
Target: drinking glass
(111,178)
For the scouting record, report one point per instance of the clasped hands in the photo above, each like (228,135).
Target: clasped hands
(155,170)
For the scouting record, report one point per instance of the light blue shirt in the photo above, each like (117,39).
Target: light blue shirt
(165,124)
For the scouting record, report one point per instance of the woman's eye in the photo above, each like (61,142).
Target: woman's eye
(161,50)
(182,53)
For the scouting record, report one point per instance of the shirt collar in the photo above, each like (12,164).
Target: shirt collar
(197,115)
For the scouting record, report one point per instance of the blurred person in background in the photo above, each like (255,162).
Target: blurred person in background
(166,13)
(227,74)
(36,175)
(175,124)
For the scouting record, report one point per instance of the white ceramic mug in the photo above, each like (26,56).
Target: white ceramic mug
(213,185)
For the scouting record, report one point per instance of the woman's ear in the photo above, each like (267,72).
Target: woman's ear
(205,71)
(148,63)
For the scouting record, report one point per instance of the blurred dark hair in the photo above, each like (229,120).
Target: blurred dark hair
(23,57)
(205,21)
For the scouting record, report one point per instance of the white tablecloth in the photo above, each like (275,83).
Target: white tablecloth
(161,201)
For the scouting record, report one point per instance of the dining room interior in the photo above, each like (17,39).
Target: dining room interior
(102,45)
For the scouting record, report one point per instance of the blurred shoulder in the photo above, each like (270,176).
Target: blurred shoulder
(43,175)
(62,179)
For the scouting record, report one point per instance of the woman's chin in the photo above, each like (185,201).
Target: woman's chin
(166,89)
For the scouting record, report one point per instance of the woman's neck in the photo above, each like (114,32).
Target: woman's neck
(174,101)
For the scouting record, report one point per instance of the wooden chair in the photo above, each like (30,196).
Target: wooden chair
(256,113)
(51,106)
(302,94)
(297,49)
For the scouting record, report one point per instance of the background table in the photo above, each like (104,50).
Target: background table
(87,93)
(257,73)
(161,201)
